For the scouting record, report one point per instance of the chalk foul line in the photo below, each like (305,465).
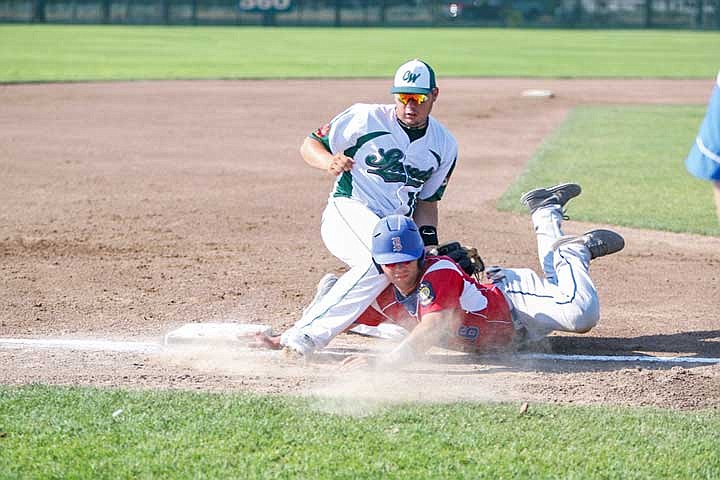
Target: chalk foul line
(148,347)
(82,345)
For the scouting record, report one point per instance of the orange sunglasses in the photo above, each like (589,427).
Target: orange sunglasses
(419,98)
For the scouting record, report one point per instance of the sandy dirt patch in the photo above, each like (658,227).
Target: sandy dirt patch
(129,209)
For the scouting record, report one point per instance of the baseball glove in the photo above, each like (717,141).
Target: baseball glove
(467,257)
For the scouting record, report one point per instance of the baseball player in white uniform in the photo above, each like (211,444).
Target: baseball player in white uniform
(388,159)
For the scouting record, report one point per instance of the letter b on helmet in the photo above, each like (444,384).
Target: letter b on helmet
(396,239)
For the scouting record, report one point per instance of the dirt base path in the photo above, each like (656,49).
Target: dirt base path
(128,209)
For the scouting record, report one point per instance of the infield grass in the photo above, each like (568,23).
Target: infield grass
(630,163)
(30,53)
(57,432)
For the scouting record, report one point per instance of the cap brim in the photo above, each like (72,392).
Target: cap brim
(385,258)
(424,91)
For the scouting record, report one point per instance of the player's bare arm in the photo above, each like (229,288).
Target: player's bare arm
(426,216)
(426,213)
(429,332)
(315,155)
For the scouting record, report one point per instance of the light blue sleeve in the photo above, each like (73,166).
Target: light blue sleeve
(703,161)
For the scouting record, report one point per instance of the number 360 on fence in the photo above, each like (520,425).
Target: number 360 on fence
(264,5)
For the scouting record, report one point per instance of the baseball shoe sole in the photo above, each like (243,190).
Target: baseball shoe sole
(557,195)
(600,242)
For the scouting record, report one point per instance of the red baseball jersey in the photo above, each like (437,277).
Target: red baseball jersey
(486,319)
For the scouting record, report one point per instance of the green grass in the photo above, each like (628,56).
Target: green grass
(50,432)
(625,158)
(70,53)
(630,162)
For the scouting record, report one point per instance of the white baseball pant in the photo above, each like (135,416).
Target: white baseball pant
(566,298)
(346,230)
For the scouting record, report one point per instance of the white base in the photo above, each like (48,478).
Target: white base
(214,334)
(538,93)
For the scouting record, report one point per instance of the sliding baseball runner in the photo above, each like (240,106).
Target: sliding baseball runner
(442,305)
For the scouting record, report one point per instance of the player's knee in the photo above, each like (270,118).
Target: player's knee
(587,316)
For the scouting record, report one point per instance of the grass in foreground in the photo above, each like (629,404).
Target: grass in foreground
(630,163)
(49,432)
(69,53)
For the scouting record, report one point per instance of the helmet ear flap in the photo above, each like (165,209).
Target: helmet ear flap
(421,261)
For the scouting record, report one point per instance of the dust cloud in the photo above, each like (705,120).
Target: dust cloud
(441,376)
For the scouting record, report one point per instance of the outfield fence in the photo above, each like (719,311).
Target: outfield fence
(681,14)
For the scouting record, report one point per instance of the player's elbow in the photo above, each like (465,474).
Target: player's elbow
(305,148)
(313,153)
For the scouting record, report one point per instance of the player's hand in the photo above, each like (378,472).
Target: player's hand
(339,164)
(262,341)
(355,362)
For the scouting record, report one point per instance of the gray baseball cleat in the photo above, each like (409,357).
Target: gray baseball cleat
(603,242)
(557,195)
(600,242)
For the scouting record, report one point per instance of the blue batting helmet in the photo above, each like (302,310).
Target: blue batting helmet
(396,239)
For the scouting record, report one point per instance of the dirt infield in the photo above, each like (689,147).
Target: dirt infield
(128,209)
